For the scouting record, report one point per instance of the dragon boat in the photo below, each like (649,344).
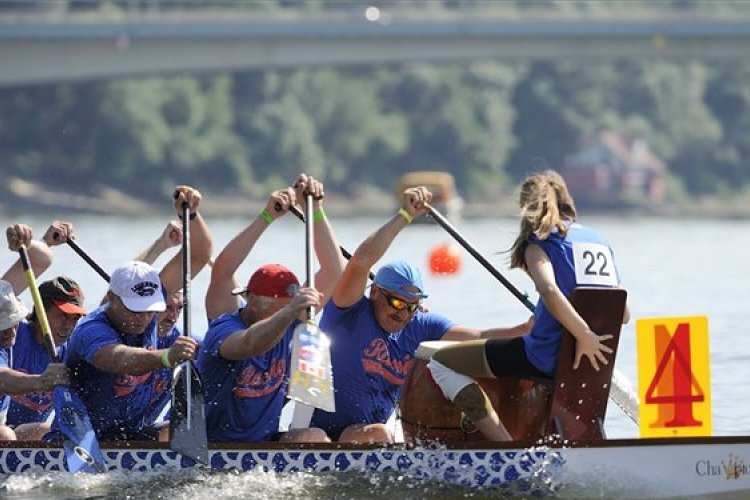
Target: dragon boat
(557,425)
(714,468)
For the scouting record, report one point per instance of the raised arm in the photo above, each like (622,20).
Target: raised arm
(327,247)
(40,253)
(352,284)
(170,237)
(219,298)
(201,241)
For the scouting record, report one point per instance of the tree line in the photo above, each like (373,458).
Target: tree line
(489,123)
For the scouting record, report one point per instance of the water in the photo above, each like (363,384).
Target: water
(670,268)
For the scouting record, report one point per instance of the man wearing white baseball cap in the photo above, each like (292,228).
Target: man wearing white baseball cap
(112,354)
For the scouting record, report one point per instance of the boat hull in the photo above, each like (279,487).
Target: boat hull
(654,468)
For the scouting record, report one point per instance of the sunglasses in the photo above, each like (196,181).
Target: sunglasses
(399,304)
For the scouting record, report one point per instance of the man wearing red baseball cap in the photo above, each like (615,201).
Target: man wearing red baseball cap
(28,374)
(63,300)
(271,280)
(246,354)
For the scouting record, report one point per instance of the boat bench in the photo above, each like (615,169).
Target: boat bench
(572,405)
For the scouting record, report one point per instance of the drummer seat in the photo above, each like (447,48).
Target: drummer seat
(571,405)
(579,397)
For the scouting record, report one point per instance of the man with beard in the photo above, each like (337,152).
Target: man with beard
(373,339)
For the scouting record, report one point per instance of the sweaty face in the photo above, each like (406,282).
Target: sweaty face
(261,307)
(8,336)
(388,317)
(61,324)
(126,321)
(168,319)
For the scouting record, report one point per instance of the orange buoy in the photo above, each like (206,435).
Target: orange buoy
(445,259)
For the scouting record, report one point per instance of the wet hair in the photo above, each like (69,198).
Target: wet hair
(545,205)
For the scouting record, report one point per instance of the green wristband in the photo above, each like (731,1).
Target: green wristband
(267,217)
(319,215)
(165,359)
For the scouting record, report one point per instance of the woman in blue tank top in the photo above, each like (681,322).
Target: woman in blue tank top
(556,252)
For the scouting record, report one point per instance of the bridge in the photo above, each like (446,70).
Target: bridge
(41,48)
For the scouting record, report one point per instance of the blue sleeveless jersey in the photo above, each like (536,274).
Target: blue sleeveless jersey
(582,258)
(369,364)
(244,398)
(117,404)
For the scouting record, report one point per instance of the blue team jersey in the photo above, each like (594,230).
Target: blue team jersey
(29,356)
(582,258)
(4,399)
(244,398)
(118,404)
(369,364)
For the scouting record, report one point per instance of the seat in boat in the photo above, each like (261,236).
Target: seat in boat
(572,405)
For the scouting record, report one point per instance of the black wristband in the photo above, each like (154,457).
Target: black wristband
(192,216)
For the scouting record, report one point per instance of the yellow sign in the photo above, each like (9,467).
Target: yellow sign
(674,382)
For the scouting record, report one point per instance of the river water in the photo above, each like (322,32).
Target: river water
(670,267)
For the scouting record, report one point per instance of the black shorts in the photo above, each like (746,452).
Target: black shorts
(508,357)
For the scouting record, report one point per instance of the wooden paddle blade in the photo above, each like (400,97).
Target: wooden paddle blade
(312,378)
(82,452)
(187,422)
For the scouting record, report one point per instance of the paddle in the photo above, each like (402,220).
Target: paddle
(187,421)
(82,452)
(622,392)
(312,379)
(88,259)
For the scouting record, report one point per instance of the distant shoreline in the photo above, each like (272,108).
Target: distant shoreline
(34,200)
(237,207)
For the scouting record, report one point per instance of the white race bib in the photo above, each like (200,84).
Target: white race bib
(594,264)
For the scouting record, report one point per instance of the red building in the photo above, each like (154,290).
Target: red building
(613,169)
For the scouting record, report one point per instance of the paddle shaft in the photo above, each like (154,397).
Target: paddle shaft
(186,271)
(480,258)
(88,259)
(187,428)
(309,247)
(41,314)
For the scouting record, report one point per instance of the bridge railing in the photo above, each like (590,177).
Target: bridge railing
(381,11)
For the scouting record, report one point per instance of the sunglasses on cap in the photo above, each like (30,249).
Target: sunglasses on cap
(399,304)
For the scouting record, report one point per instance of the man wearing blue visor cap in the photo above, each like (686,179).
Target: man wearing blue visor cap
(374,338)
(401,278)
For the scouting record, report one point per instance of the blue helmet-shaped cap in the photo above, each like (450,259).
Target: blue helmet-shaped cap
(395,276)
